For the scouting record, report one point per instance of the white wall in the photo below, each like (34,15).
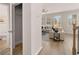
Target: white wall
(26,28)
(32,39)
(36,18)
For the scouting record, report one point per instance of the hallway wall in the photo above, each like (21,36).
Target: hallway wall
(32,39)
(26,28)
(36,36)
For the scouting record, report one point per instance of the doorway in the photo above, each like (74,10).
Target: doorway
(17,50)
(4,29)
(64,22)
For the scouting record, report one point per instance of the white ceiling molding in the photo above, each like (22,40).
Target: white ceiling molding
(60,7)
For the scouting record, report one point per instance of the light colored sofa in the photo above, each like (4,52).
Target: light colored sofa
(60,31)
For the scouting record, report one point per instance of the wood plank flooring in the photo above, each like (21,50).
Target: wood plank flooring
(51,47)
(6,51)
(18,49)
(3,48)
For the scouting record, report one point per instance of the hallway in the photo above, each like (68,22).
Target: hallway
(51,47)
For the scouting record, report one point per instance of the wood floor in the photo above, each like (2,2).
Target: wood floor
(18,49)
(6,51)
(51,47)
(3,48)
(3,44)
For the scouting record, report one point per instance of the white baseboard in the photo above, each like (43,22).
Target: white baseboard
(38,51)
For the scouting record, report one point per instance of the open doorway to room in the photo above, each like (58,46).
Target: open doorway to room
(18,49)
(51,28)
(4,29)
(57,33)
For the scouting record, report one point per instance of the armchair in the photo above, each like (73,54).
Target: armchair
(57,33)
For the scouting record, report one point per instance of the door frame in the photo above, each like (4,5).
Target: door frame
(13,25)
(9,26)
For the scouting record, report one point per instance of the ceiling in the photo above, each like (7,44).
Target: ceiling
(59,7)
